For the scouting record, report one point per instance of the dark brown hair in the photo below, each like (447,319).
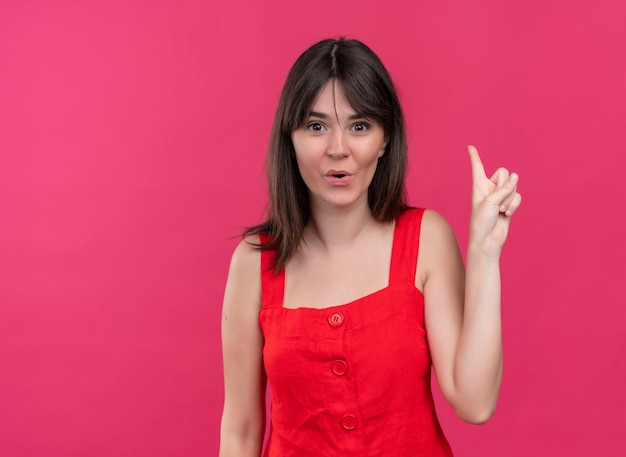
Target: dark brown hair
(370,91)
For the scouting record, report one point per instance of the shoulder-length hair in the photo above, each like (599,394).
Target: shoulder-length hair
(371,93)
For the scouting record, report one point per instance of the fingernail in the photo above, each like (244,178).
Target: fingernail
(513,177)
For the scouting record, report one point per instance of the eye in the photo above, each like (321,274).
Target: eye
(361,127)
(315,126)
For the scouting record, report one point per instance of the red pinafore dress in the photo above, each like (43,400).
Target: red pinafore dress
(352,380)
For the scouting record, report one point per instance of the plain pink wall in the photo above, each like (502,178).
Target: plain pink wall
(132,139)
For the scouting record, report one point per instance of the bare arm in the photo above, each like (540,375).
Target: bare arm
(463,310)
(243,419)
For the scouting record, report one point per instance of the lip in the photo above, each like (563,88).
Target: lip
(338,177)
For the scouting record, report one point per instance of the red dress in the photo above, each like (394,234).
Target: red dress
(352,380)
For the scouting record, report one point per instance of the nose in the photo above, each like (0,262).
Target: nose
(337,148)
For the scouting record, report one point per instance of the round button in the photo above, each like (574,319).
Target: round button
(340,367)
(349,422)
(335,319)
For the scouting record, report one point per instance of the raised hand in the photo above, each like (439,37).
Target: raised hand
(494,201)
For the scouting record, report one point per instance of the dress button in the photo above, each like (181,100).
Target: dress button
(340,367)
(335,319)
(349,422)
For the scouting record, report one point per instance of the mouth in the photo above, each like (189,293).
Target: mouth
(338,177)
(337,174)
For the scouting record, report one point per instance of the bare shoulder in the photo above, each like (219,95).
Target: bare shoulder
(246,259)
(434,224)
(243,287)
(436,231)
(438,246)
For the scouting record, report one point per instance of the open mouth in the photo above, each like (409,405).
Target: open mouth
(337,174)
(338,177)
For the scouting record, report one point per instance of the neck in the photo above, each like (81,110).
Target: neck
(332,227)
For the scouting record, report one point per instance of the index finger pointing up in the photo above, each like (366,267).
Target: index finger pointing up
(478,170)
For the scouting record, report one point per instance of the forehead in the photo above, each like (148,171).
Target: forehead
(332,98)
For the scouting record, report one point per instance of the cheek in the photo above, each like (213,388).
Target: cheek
(375,150)
(306,157)
(305,165)
(298,153)
(381,151)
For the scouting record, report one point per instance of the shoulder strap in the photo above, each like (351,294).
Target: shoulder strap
(272,284)
(405,249)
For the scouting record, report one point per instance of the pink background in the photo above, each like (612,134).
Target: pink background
(132,140)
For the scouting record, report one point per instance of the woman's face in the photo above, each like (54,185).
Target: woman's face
(337,150)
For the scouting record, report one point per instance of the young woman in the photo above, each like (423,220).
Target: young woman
(345,296)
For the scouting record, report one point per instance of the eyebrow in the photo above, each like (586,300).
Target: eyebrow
(326,116)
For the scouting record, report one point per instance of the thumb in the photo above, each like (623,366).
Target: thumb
(504,191)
